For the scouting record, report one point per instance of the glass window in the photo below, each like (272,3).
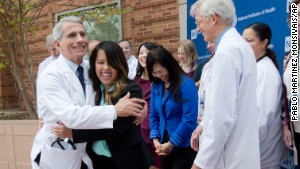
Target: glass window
(101,21)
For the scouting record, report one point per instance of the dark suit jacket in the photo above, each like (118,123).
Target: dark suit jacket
(199,68)
(125,142)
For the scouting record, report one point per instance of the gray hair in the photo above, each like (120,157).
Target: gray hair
(225,9)
(57,30)
(49,40)
(125,40)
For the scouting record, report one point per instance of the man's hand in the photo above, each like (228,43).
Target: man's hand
(287,136)
(127,106)
(195,167)
(61,130)
(138,120)
(199,119)
(41,123)
(195,138)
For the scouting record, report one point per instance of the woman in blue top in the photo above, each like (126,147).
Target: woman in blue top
(173,109)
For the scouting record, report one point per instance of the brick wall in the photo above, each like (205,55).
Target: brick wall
(151,20)
(8,91)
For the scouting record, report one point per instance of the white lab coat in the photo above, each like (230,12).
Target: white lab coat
(230,121)
(60,97)
(132,65)
(269,91)
(44,64)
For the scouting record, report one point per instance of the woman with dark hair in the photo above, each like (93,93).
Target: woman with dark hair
(261,32)
(291,129)
(173,109)
(123,146)
(268,90)
(142,79)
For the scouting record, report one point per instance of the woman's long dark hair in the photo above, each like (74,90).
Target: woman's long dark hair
(116,60)
(263,31)
(163,57)
(140,69)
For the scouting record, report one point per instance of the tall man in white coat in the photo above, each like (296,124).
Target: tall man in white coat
(62,98)
(229,127)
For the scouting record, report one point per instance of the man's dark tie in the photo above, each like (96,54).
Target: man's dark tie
(80,77)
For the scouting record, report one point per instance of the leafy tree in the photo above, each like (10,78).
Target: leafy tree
(17,19)
(107,30)
(3,61)
(101,21)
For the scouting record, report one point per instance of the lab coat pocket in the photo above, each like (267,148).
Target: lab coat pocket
(56,158)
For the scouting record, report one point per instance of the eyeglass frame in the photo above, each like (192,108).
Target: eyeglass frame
(74,35)
(198,20)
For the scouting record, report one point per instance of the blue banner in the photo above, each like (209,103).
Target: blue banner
(272,12)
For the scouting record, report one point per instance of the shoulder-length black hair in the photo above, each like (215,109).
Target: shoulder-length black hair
(263,31)
(162,56)
(116,59)
(149,46)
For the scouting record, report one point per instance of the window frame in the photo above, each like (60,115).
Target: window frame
(91,7)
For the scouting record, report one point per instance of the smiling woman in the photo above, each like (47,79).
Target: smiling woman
(106,74)
(108,67)
(113,148)
(173,114)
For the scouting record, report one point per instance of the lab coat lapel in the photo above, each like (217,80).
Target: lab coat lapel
(73,81)
(89,91)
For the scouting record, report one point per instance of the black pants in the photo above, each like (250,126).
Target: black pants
(179,158)
(99,161)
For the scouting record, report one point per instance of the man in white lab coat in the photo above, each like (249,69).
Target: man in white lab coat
(229,126)
(62,98)
(131,59)
(54,53)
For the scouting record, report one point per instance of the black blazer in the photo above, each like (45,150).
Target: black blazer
(125,142)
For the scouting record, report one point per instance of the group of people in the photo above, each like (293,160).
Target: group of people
(116,111)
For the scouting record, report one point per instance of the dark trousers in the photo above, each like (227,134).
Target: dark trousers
(179,158)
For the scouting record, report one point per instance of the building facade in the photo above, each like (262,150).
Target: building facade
(159,21)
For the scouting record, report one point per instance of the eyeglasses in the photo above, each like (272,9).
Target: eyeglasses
(197,22)
(73,35)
